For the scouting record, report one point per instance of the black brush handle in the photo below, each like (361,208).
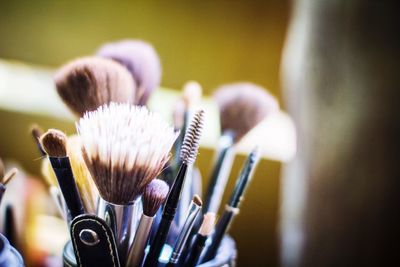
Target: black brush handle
(167,218)
(220,230)
(66,181)
(195,251)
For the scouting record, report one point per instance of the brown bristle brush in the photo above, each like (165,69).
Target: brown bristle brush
(154,195)
(142,61)
(36,133)
(242,106)
(87,83)
(125,147)
(54,143)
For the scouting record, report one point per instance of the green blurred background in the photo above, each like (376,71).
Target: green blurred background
(213,42)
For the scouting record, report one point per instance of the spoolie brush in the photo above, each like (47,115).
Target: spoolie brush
(125,147)
(54,143)
(188,155)
(142,61)
(87,83)
(232,208)
(154,195)
(200,239)
(242,106)
(193,211)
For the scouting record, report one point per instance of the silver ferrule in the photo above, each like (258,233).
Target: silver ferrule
(119,218)
(185,232)
(136,252)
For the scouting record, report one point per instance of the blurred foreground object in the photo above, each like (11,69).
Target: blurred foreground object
(341,192)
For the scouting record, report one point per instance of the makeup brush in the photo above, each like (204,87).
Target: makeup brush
(200,239)
(36,133)
(6,178)
(54,143)
(154,195)
(142,61)
(193,211)
(188,155)
(86,187)
(125,147)
(242,106)
(87,83)
(232,208)
(2,169)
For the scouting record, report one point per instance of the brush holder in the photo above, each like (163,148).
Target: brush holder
(9,256)
(226,256)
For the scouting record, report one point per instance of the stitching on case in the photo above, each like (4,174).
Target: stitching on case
(108,240)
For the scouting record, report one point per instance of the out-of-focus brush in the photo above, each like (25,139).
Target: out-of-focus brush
(242,106)
(36,133)
(153,196)
(188,155)
(142,61)
(232,208)
(193,211)
(125,147)
(5,178)
(87,83)
(54,143)
(200,240)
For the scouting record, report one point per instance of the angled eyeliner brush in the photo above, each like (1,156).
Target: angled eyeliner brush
(232,208)
(188,155)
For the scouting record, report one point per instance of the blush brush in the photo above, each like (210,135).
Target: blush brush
(242,106)
(154,196)
(188,156)
(86,83)
(125,147)
(141,60)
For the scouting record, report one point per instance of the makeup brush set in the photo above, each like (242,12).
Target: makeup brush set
(126,183)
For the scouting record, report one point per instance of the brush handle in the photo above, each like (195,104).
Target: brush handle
(136,253)
(66,181)
(197,248)
(220,230)
(158,242)
(219,176)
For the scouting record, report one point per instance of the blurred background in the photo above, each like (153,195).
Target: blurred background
(212,42)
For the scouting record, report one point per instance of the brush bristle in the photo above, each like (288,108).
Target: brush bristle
(197,200)
(2,169)
(54,143)
(242,106)
(36,133)
(86,186)
(9,176)
(125,147)
(87,83)
(191,142)
(142,61)
(192,93)
(208,224)
(154,195)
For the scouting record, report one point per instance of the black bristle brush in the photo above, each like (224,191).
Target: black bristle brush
(154,195)
(54,143)
(188,155)
(125,147)
(242,106)
(200,240)
(141,60)
(232,208)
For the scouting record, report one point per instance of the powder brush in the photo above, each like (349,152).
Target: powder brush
(54,143)
(154,196)
(86,83)
(188,156)
(141,60)
(125,147)
(242,106)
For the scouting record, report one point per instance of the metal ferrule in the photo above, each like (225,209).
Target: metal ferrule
(119,218)
(136,252)
(185,232)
